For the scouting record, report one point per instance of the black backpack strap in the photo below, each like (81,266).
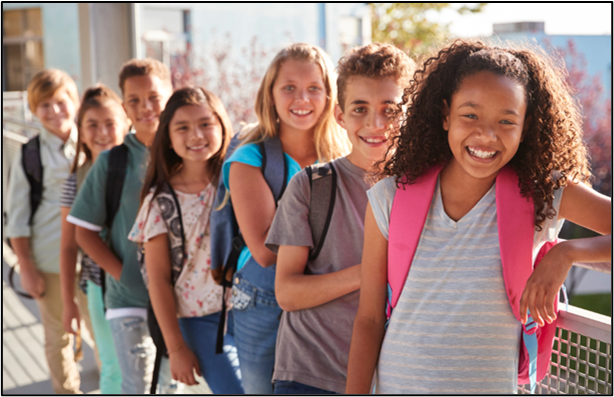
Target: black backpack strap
(171,214)
(323,183)
(156,336)
(12,285)
(174,223)
(116,174)
(231,266)
(33,168)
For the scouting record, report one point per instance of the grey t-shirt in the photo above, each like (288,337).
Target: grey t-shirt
(313,344)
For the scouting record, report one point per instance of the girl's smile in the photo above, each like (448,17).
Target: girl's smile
(485,123)
(299,95)
(104,127)
(195,133)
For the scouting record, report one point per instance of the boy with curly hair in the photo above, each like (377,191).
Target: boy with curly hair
(317,282)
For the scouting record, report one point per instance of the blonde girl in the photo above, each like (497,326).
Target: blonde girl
(102,124)
(295,103)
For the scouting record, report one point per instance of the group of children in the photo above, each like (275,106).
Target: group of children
(345,178)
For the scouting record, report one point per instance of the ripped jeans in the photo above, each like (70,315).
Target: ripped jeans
(136,353)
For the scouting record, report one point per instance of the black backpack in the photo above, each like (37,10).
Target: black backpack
(33,168)
(116,173)
(171,215)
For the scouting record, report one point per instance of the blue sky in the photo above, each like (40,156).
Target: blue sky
(560,18)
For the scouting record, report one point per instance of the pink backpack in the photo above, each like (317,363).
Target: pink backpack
(515,219)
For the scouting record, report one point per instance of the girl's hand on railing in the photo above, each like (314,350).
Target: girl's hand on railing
(543,286)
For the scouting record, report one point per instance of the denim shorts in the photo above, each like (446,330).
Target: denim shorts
(256,316)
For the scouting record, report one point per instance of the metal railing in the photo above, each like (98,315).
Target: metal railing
(582,351)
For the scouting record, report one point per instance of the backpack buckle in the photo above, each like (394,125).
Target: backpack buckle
(531,326)
(238,243)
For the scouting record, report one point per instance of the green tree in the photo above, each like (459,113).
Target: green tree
(406,25)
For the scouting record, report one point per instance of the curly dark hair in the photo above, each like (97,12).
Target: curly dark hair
(553,139)
(375,60)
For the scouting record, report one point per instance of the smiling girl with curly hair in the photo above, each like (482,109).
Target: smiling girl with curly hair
(474,112)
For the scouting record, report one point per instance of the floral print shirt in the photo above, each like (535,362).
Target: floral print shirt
(196,292)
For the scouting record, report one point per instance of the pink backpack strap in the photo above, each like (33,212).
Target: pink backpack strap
(407,217)
(515,217)
(515,220)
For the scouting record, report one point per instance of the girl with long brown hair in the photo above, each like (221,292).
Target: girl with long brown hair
(186,157)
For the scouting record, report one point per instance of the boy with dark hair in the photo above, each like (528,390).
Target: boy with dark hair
(146,87)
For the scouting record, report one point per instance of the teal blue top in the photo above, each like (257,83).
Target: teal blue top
(250,154)
(89,211)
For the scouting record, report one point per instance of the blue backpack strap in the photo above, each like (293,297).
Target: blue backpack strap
(273,160)
(530,342)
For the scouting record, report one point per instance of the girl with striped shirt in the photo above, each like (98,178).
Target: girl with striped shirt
(102,124)
(473,108)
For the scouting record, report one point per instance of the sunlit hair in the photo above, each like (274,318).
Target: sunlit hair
(46,83)
(144,67)
(164,161)
(552,144)
(330,140)
(99,96)
(375,60)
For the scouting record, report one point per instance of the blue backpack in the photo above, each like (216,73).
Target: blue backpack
(226,240)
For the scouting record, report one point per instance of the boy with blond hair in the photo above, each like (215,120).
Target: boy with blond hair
(146,87)
(34,220)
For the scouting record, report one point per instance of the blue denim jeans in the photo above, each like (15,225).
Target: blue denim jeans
(292,387)
(110,374)
(221,371)
(136,354)
(256,315)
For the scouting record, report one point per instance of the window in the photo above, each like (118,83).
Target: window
(350,32)
(165,33)
(22,46)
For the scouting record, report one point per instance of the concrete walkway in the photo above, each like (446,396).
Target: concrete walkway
(24,367)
